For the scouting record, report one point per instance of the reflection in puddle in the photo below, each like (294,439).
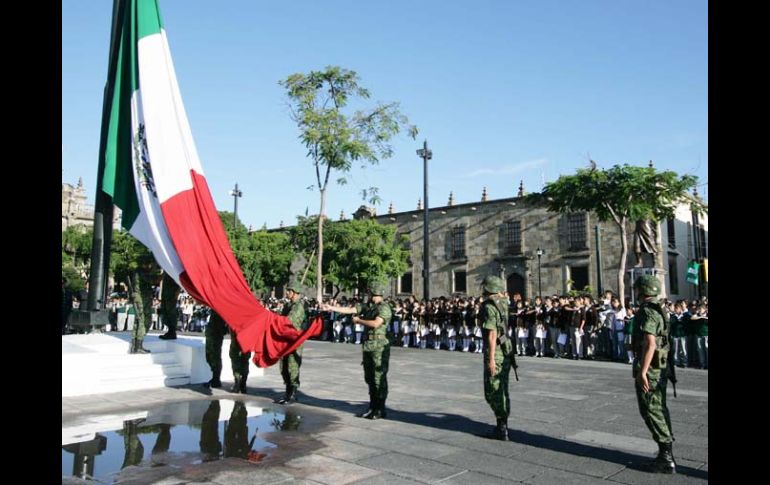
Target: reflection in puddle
(176,435)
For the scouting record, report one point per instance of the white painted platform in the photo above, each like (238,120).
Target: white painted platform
(100,363)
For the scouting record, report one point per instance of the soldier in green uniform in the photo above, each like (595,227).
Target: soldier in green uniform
(291,363)
(168,312)
(650,343)
(143,279)
(240,362)
(497,352)
(376,316)
(215,334)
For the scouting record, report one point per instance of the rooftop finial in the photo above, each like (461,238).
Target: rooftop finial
(451,199)
(484,195)
(419,204)
(521,189)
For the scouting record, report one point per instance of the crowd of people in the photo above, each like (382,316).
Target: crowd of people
(573,327)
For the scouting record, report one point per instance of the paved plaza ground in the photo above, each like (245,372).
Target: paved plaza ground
(572,422)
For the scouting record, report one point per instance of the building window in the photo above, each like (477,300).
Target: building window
(703,243)
(405,283)
(579,277)
(328,288)
(673,275)
(458,242)
(670,228)
(576,227)
(459,282)
(512,237)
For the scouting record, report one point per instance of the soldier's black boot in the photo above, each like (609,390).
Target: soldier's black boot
(136,347)
(170,335)
(376,410)
(502,429)
(140,347)
(236,388)
(214,381)
(371,409)
(285,397)
(664,462)
(242,385)
(290,397)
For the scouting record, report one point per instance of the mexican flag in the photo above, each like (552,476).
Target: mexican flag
(153,174)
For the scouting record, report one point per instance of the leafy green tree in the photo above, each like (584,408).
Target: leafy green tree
(76,255)
(272,257)
(76,247)
(264,257)
(357,251)
(621,194)
(334,137)
(127,254)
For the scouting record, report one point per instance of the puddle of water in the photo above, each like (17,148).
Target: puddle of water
(176,435)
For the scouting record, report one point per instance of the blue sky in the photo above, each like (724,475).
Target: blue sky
(503,91)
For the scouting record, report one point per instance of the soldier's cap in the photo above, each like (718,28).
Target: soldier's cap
(294,286)
(648,285)
(492,284)
(377,288)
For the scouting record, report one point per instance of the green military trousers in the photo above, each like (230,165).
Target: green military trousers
(496,387)
(652,405)
(215,333)
(238,359)
(290,368)
(376,359)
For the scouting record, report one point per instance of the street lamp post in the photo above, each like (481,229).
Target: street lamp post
(235,193)
(426,155)
(540,254)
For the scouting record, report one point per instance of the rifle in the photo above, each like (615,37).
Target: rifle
(515,366)
(672,369)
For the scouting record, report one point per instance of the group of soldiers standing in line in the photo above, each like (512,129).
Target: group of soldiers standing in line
(649,344)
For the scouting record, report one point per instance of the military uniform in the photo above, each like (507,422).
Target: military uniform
(240,362)
(376,356)
(168,310)
(652,319)
(291,363)
(494,315)
(215,334)
(142,296)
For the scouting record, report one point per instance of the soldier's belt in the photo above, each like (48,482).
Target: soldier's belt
(377,337)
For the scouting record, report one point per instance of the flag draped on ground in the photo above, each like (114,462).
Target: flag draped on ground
(152,172)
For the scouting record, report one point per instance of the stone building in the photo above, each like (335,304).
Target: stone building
(504,237)
(74,209)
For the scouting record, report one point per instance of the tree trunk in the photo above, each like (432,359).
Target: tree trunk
(319,275)
(622,265)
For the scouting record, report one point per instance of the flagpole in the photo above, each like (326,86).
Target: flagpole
(103,208)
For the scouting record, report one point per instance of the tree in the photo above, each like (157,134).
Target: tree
(357,252)
(264,257)
(76,247)
(127,255)
(272,257)
(334,139)
(622,194)
(363,250)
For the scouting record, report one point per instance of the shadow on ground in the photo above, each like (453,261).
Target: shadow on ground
(454,422)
